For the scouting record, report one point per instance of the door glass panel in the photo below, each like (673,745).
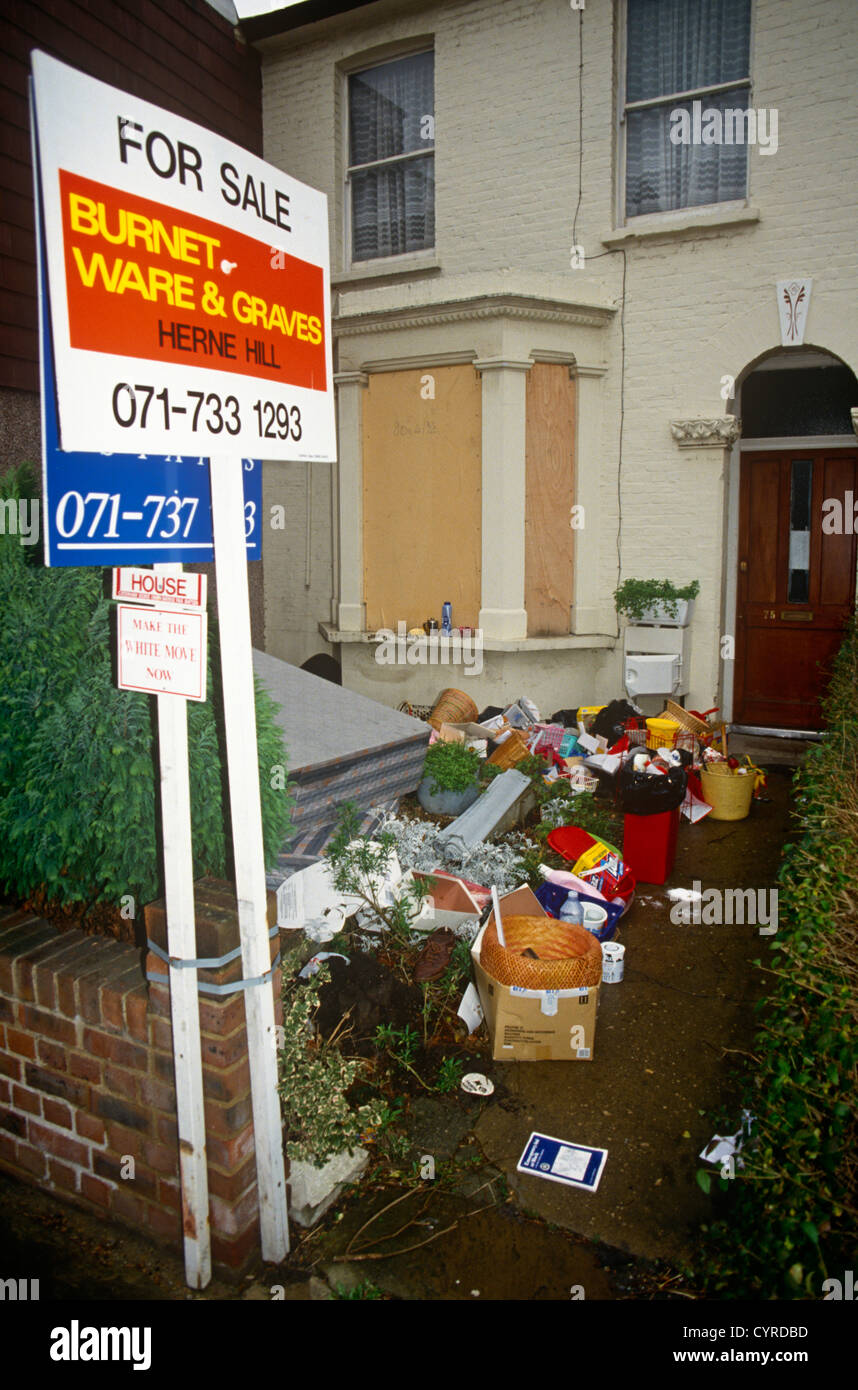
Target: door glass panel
(801,484)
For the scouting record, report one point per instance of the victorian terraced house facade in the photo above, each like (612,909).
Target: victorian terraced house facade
(592,271)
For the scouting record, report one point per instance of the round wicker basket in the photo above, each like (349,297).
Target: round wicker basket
(569,956)
(729,795)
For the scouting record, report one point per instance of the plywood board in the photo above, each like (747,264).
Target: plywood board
(550,495)
(422,495)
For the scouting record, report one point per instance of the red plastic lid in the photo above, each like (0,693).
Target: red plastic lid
(570,842)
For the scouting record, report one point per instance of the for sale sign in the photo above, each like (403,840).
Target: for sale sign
(188,280)
(185,590)
(162,651)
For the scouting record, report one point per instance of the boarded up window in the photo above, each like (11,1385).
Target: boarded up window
(550,495)
(422,495)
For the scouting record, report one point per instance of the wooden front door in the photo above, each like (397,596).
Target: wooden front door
(796,582)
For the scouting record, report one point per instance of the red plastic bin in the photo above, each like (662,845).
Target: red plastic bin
(649,845)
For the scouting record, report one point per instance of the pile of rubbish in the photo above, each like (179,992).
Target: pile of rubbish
(614,749)
(540,956)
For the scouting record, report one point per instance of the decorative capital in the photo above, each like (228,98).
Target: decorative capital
(720,433)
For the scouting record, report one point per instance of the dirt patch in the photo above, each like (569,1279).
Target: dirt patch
(369,993)
(431,1244)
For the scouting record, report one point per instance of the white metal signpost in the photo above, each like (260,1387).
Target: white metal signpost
(189,291)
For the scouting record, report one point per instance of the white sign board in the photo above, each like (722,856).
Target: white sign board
(162,651)
(184,590)
(189,282)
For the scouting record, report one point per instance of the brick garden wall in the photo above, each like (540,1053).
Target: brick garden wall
(86,1076)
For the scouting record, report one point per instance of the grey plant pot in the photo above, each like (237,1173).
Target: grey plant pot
(446,803)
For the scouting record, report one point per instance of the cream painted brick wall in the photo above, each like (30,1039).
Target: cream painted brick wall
(293,607)
(696,308)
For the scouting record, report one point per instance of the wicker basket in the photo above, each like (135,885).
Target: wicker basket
(686,720)
(569,956)
(510,752)
(728,794)
(453,707)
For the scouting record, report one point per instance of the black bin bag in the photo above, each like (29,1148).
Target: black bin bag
(649,794)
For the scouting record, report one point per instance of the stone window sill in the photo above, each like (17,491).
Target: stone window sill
(571,641)
(680,224)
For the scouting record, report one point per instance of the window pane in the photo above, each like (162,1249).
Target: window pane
(801,485)
(798,400)
(393,209)
(678,45)
(387,109)
(661,175)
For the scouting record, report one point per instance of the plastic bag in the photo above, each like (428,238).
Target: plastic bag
(644,795)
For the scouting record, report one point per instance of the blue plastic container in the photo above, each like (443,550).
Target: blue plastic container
(552,896)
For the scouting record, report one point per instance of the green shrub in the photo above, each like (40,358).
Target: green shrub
(452,767)
(787,1221)
(79,778)
(635,596)
(314,1079)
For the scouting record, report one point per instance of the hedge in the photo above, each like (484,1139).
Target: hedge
(787,1221)
(79,777)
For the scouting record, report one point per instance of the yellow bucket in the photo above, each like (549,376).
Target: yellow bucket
(661,733)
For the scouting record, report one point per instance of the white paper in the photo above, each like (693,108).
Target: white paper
(572,1163)
(470,1011)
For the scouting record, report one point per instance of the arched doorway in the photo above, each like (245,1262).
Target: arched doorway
(794,488)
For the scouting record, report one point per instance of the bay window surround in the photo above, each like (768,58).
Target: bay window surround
(510,334)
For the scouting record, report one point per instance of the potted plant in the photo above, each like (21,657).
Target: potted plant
(656,601)
(450,779)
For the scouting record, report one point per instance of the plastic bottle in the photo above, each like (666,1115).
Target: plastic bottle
(572,911)
(447,618)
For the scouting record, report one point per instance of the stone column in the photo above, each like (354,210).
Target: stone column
(502,611)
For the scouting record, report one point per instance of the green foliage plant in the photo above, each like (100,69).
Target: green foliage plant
(635,596)
(788,1220)
(359,866)
(449,1074)
(79,778)
(452,767)
(314,1080)
(365,1290)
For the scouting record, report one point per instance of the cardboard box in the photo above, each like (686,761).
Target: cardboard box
(527,1025)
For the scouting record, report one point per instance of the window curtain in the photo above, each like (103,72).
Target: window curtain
(393,208)
(675,46)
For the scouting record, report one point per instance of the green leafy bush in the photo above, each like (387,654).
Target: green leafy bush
(79,778)
(789,1219)
(314,1079)
(635,596)
(452,767)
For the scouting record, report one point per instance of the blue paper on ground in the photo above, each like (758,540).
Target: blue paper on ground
(574,1165)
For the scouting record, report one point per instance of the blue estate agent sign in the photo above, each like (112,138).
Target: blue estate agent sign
(122,509)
